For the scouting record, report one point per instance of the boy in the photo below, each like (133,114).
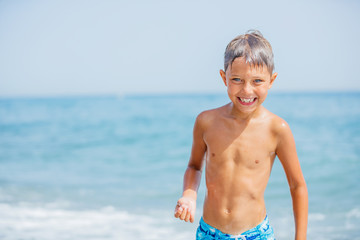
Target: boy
(239,142)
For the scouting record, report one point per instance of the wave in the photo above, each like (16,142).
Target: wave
(58,221)
(49,222)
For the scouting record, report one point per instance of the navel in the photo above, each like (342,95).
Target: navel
(257,161)
(213,154)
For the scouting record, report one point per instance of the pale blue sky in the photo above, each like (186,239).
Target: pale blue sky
(51,48)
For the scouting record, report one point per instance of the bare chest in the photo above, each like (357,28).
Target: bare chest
(249,146)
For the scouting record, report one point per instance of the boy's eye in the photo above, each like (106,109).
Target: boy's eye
(236,79)
(258,81)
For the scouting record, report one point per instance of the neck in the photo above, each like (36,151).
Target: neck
(244,116)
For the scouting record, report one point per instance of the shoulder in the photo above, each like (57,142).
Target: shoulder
(278,126)
(281,131)
(208,117)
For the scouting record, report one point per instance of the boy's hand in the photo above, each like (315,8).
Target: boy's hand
(185,209)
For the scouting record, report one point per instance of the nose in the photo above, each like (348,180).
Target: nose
(247,88)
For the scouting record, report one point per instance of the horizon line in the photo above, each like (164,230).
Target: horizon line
(160,94)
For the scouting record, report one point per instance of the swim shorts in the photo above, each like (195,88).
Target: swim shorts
(263,231)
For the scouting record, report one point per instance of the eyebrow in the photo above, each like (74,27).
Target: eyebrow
(238,76)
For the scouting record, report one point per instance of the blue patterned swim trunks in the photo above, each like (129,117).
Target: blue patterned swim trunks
(263,231)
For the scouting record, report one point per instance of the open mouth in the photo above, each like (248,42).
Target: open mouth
(247,101)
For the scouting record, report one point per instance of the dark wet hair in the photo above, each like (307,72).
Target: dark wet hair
(253,47)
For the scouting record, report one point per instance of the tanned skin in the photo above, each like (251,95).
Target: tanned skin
(239,143)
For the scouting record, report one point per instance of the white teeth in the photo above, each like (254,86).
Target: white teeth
(247,100)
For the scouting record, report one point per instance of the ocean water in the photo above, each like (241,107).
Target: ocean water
(112,167)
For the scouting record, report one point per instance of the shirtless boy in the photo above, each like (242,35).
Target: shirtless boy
(239,143)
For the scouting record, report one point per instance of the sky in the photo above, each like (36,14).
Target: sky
(81,47)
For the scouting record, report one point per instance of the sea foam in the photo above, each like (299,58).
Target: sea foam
(34,222)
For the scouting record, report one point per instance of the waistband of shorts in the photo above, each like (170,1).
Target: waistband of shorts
(264,225)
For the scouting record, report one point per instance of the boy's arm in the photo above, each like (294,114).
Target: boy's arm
(186,205)
(286,152)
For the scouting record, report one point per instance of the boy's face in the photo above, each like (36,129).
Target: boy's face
(247,85)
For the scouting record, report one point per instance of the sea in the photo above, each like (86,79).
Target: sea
(111,167)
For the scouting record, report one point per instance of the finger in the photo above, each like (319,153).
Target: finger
(183,214)
(187,217)
(192,217)
(178,211)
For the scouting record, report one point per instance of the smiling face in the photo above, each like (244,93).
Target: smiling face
(247,85)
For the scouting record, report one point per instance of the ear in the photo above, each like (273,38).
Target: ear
(223,76)
(272,79)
